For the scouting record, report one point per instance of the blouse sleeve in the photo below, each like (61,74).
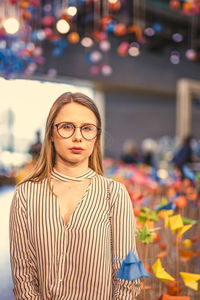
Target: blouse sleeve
(123,240)
(24,278)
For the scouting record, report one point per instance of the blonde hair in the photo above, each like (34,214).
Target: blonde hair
(46,160)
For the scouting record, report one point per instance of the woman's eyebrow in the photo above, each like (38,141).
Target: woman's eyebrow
(81,123)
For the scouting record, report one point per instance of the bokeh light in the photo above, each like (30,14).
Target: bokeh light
(11,25)
(62,26)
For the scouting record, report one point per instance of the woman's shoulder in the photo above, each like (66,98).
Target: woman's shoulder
(29,185)
(114,184)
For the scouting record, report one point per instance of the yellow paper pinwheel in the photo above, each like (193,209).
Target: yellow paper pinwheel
(190,280)
(166,214)
(175,223)
(160,272)
(182,230)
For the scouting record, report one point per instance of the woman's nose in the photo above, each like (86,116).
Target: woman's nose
(77,134)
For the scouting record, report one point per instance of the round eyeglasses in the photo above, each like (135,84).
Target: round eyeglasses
(88,131)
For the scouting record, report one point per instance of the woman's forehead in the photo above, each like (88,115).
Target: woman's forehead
(74,112)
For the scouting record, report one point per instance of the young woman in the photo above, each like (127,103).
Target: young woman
(68,221)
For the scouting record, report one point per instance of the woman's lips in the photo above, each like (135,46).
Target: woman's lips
(76,150)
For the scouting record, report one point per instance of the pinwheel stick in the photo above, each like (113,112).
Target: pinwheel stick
(177,260)
(133,291)
(145,259)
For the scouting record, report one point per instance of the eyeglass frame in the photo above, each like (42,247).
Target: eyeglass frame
(75,127)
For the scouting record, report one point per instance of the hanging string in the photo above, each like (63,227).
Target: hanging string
(105,9)
(194,25)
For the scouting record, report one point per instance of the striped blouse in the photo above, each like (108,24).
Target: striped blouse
(51,260)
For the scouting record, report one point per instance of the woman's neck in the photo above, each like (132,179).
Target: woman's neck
(71,170)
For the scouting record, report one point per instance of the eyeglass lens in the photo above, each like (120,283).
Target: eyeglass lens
(88,131)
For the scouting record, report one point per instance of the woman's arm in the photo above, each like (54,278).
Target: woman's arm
(123,240)
(25,283)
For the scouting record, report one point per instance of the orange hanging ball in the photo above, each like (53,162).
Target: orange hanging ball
(187,6)
(73,37)
(115,6)
(135,29)
(26,15)
(181,202)
(156,237)
(173,288)
(174,4)
(136,211)
(120,29)
(24,4)
(105,21)
(163,246)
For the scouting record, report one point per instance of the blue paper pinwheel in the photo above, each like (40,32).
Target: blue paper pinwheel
(131,268)
(168,206)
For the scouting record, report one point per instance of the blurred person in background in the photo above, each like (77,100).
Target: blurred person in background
(68,222)
(36,147)
(34,151)
(149,148)
(184,154)
(130,153)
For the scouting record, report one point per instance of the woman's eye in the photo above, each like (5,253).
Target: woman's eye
(67,126)
(87,128)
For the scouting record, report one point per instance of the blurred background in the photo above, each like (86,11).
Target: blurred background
(140,62)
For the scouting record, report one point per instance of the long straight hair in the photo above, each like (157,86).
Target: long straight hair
(46,160)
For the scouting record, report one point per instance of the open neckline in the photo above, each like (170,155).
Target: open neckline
(66,226)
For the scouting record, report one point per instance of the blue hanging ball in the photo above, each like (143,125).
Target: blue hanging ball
(110,27)
(88,58)
(57,52)
(157,27)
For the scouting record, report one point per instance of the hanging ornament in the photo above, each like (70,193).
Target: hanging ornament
(62,26)
(87,42)
(24,4)
(48,21)
(149,31)
(94,70)
(157,27)
(104,45)
(47,8)
(135,29)
(99,35)
(177,37)
(72,11)
(120,29)
(12,1)
(191,54)
(187,6)
(115,6)
(122,50)
(52,73)
(26,15)
(174,4)
(48,32)
(11,25)
(134,49)
(73,37)
(105,21)
(110,26)
(95,56)
(106,70)
(175,57)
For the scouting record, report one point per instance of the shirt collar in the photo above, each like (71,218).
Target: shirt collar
(56,175)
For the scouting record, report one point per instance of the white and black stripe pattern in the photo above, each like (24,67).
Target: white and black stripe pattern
(51,260)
